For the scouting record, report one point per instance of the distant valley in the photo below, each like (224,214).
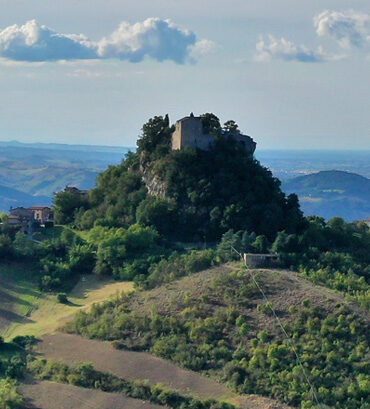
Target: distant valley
(31,173)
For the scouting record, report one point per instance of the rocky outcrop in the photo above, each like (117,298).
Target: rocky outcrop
(155,186)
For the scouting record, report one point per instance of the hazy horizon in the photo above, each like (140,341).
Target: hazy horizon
(39,142)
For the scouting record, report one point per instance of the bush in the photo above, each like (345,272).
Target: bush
(62,298)
(24,341)
(9,397)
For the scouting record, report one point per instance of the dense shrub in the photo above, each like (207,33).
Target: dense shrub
(9,397)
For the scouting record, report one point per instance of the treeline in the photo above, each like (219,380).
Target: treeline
(334,253)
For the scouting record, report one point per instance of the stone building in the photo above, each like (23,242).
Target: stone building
(189,133)
(21,218)
(41,214)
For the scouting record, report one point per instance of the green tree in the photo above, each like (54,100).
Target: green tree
(66,204)
(231,126)
(157,213)
(211,124)
(155,132)
(6,248)
(260,245)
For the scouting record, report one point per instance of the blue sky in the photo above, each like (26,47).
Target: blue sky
(293,74)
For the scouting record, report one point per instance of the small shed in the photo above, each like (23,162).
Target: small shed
(261,260)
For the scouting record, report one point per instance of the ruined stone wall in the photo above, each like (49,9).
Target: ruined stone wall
(189,132)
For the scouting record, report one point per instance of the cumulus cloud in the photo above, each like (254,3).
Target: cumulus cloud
(282,49)
(203,47)
(153,38)
(35,43)
(349,28)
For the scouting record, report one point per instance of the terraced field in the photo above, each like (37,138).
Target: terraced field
(143,366)
(51,395)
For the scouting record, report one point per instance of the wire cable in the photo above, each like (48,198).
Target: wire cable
(290,342)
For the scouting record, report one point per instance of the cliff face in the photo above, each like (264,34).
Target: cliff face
(155,186)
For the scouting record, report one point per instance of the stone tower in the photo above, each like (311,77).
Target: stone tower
(189,133)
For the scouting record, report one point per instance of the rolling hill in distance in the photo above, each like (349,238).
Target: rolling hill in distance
(12,198)
(31,172)
(332,193)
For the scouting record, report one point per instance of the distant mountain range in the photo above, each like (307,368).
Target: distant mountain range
(65,147)
(332,193)
(13,198)
(31,172)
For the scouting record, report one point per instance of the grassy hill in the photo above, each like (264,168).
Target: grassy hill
(332,193)
(24,309)
(216,322)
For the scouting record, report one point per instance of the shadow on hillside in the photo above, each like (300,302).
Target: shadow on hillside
(21,289)
(14,317)
(6,298)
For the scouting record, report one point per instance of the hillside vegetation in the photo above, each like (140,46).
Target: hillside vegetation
(187,194)
(216,322)
(161,219)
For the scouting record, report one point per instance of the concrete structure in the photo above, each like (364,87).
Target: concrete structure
(261,260)
(189,133)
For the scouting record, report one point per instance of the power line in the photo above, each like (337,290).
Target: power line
(282,328)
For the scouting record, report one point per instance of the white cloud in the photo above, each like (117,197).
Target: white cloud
(35,43)
(282,49)
(153,38)
(349,28)
(202,48)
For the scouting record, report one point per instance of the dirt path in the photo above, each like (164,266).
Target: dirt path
(143,366)
(50,395)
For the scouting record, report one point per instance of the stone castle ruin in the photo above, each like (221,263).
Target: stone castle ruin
(189,133)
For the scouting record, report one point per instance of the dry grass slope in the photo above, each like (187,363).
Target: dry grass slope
(144,366)
(50,395)
(284,289)
(24,310)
